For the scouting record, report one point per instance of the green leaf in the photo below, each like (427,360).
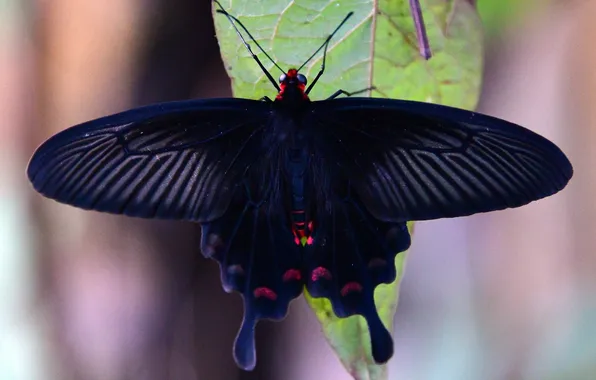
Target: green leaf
(368,50)
(498,15)
(377,46)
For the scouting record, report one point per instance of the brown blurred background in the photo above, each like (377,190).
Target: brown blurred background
(508,295)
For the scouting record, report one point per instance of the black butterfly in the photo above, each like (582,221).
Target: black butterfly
(295,193)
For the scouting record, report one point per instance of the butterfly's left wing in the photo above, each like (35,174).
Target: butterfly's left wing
(212,161)
(180,160)
(419,161)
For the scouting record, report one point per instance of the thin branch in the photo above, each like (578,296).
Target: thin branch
(423,44)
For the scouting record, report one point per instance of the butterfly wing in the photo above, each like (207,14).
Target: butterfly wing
(254,245)
(209,161)
(418,161)
(384,162)
(178,160)
(351,253)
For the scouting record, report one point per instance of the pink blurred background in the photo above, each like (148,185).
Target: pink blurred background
(508,295)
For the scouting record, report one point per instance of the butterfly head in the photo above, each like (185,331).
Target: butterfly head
(292,85)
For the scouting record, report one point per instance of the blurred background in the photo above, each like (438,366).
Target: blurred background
(507,295)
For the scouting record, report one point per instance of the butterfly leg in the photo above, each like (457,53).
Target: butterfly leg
(343,92)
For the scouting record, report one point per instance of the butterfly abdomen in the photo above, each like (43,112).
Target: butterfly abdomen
(299,189)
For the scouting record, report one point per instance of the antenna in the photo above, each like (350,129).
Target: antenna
(325,45)
(327,40)
(233,20)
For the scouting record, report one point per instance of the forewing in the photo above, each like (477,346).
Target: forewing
(179,160)
(418,161)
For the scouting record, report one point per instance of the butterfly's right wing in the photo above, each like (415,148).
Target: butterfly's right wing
(419,161)
(385,162)
(179,160)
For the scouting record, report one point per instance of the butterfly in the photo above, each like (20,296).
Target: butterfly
(293,193)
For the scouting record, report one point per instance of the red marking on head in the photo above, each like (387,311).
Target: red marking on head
(376,263)
(350,287)
(292,275)
(319,273)
(310,225)
(282,89)
(291,76)
(235,269)
(265,292)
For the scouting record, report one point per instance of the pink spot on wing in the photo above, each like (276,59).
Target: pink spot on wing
(319,273)
(350,287)
(265,292)
(292,275)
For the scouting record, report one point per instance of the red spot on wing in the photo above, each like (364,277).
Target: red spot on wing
(265,292)
(292,275)
(319,273)
(350,287)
